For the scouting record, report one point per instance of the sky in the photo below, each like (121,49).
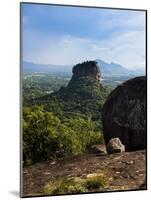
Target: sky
(69,35)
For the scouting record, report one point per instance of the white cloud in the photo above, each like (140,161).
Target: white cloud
(119,21)
(122,40)
(127,49)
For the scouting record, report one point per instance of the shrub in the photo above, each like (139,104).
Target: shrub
(65,187)
(76,185)
(46,137)
(96,182)
(86,130)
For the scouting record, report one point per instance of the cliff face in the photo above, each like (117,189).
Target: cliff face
(86,69)
(124,114)
(85,81)
(84,75)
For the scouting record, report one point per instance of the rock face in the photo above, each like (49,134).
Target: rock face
(124,114)
(115,146)
(87,69)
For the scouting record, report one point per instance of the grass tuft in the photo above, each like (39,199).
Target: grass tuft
(96,182)
(92,183)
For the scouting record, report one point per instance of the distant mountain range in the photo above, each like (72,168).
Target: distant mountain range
(114,69)
(107,69)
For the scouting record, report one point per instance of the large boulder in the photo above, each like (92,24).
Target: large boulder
(124,114)
(115,146)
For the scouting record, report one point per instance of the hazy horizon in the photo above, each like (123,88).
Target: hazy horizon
(63,35)
(71,65)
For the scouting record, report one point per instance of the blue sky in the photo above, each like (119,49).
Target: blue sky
(68,35)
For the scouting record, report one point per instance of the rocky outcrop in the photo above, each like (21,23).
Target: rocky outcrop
(124,114)
(88,68)
(115,146)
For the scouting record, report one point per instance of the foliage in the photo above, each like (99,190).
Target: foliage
(96,182)
(84,96)
(76,185)
(39,136)
(45,136)
(36,85)
(86,130)
(65,187)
